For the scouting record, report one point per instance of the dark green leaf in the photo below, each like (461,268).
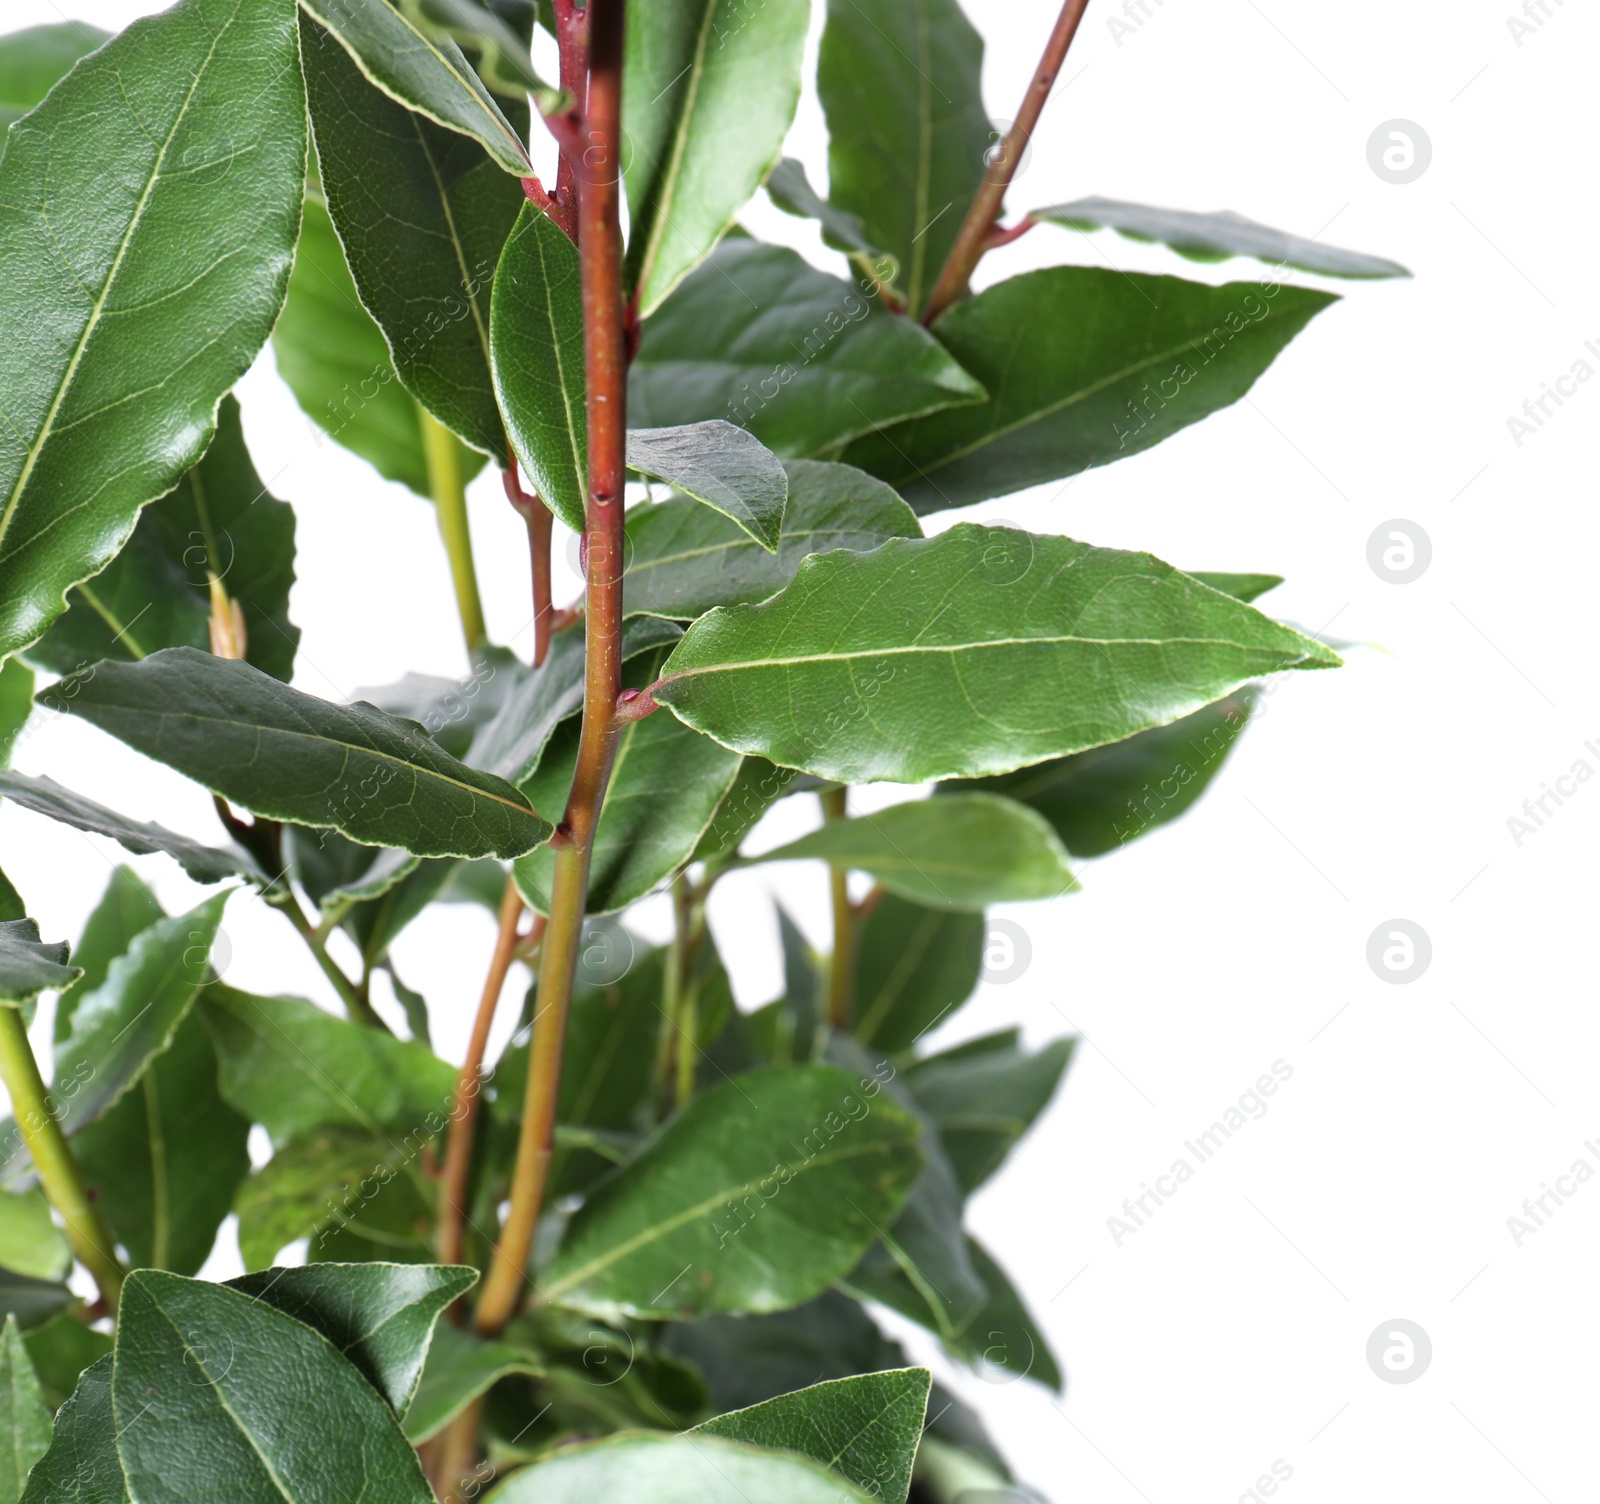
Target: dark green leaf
(502,53)
(536,346)
(1104,798)
(155,594)
(984,1096)
(11,904)
(205,864)
(260,1400)
(710,88)
(16,705)
(1242,587)
(460,1367)
(31,61)
(380,1316)
(979,651)
(373,924)
(336,873)
(30,1242)
(803,360)
(418,65)
(907,132)
(28,966)
(291,1067)
(750,1200)
(32,1301)
(1083,366)
(866,1427)
(726,467)
(112,380)
(82,1466)
(790,190)
(337,365)
(949,853)
(759,785)
(1002,1341)
(674,1470)
(683,559)
(422,247)
(453,711)
(61,1349)
(785,1032)
(24,1420)
(289,756)
(166,1160)
(914,967)
(1216,237)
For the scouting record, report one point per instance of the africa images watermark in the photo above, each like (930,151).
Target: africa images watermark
(1537,809)
(1537,411)
(1538,1210)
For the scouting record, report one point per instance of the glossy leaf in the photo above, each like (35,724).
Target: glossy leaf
(291,1067)
(460,1367)
(205,864)
(726,467)
(30,1241)
(126,909)
(422,68)
(865,1428)
(28,965)
(31,61)
(674,1470)
(536,350)
(1083,366)
(501,53)
(759,785)
(683,559)
(1242,587)
(790,190)
(750,1200)
(336,872)
(81,1465)
(61,1349)
(380,1316)
(335,361)
(453,711)
(855,671)
(422,214)
(107,376)
(954,853)
(1101,799)
(16,705)
(914,967)
(803,360)
(907,133)
(984,1095)
(220,521)
(289,756)
(24,1420)
(1216,237)
(265,1402)
(710,89)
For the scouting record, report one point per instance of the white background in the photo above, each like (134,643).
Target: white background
(1230,1331)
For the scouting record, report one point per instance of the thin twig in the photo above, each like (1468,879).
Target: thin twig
(357,1005)
(443,453)
(842,964)
(539,521)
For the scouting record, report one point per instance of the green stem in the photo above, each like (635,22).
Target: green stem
(53,1158)
(449,490)
(842,965)
(356,1004)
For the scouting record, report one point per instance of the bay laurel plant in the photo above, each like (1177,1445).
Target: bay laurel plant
(645,1252)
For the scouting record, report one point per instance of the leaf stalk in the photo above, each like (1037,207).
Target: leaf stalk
(449,492)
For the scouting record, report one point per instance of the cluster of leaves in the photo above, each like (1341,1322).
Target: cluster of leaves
(729,1188)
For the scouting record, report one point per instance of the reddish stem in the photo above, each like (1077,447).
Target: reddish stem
(537,516)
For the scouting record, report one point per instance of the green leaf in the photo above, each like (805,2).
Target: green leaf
(907,132)
(30,1241)
(24,1420)
(963,852)
(31,61)
(1216,237)
(759,785)
(976,652)
(666,783)
(1083,366)
(260,1400)
(335,361)
(536,350)
(726,467)
(289,756)
(423,250)
(415,63)
(1104,798)
(336,872)
(291,1067)
(165,1160)
(32,1301)
(914,967)
(750,1200)
(205,864)
(984,1096)
(683,559)
(61,1349)
(156,594)
(380,1316)
(16,705)
(1242,587)
(790,190)
(674,1470)
(11,904)
(29,966)
(112,394)
(511,745)
(453,711)
(1003,1341)
(865,1428)
(803,360)
(710,89)
(502,53)
(460,1367)
(82,1466)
